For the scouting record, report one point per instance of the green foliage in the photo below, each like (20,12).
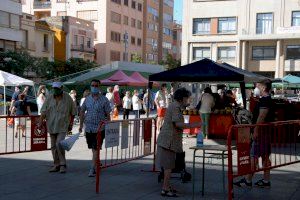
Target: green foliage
(136,58)
(170,62)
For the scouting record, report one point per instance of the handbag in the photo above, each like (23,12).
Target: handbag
(68,143)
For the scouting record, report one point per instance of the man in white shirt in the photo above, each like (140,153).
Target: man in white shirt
(161,104)
(136,104)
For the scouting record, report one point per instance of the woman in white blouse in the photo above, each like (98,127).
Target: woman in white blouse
(127,102)
(136,104)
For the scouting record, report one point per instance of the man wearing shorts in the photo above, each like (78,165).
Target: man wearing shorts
(95,108)
(261,137)
(161,104)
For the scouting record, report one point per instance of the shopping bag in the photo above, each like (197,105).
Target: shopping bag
(67,143)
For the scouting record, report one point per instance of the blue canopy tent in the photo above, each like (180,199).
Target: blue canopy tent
(208,71)
(291,79)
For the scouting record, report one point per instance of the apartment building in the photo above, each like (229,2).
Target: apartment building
(158,26)
(38,38)
(176,46)
(10,23)
(118,23)
(260,36)
(74,37)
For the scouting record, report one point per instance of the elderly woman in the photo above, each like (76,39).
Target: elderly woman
(169,141)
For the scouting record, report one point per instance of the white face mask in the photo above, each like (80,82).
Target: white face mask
(256,92)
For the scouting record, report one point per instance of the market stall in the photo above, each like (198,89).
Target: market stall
(208,71)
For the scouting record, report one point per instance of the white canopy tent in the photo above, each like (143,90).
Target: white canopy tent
(7,79)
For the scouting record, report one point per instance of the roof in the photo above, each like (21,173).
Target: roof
(120,78)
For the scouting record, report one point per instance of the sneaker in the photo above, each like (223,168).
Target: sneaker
(262,183)
(54,169)
(92,172)
(243,182)
(62,169)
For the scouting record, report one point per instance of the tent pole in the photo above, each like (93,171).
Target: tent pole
(149,96)
(4,105)
(243,91)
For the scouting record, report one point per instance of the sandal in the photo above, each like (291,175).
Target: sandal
(166,193)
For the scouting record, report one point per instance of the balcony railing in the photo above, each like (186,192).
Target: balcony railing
(42,4)
(82,48)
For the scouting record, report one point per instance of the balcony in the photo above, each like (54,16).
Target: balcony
(82,48)
(41,4)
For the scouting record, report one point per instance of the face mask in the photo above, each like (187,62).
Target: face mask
(57,91)
(95,90)
(256,92)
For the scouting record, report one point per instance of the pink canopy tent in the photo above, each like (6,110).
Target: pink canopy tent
(137,76)
(120,78)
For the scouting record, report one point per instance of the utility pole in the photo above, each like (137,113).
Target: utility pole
(125,40)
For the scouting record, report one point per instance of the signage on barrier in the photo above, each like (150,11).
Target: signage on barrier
(38,136)
(243,147)
(112,131)
(124,138)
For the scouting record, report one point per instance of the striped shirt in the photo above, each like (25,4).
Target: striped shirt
(96,110)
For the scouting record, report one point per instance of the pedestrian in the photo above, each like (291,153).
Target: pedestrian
(207,103)
(127,103)
(58,111)
(16,94)
(147,105)
(161,104)
(169,141)
(85,94)
(136,104)
(94,110)
(117,99)
(110,96)
(21,107)
(41,97)
(261,140)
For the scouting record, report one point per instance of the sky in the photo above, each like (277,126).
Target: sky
(178,10)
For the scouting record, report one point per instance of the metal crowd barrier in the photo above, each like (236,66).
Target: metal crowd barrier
(279,142)
(125,140)
(13,141)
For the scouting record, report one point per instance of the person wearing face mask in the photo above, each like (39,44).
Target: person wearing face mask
(261,140)
(58,110)
(95,109)
(41,97)
(169,141)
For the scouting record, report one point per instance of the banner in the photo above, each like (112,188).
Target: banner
(243,149)
(112,134)
(38,136)
(136,133)
(124,138)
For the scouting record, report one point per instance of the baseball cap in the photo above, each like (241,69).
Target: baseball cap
(56,84)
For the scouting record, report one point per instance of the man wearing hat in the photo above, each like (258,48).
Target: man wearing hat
(59,111)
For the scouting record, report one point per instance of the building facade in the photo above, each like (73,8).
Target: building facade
(10,24)
(260,36)
(38,38)
(177,42)
(118,23)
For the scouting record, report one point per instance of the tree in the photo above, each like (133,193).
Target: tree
(136,58)
(170,62)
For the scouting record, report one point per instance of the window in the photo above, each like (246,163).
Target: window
(264,53)
(167,31)
(115,55)
(61,13)
(133,4)
(226,52)
(133,22)
(264,24)
(152,42)
(152,27)
(132,40)
(139,42)
(296,18)
(45,44)
(125,20)
(140,7)
(167,45)
(201,26)
(88,42)
(152,11)
(116,1)
(126,2)
(201,52)
(227,25)
(81,42)
(15,21)
(115,17)
(169,3)
(150,56)
(4,19)
(167,19)
(25,39)
(115,36)
(75,42)
(139,24)
(293,52)
(90,15)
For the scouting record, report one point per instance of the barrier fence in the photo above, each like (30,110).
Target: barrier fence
(21,134)
(125,140)
(278,143)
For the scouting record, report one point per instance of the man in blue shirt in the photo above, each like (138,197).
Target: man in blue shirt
(95,108)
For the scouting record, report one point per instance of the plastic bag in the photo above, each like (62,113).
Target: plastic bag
(68,143)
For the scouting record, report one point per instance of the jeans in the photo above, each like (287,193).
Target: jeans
(137,114)
(205,126)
